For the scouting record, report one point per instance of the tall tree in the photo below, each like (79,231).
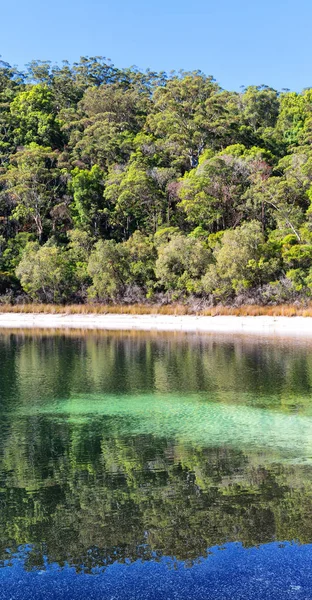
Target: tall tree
(33,186)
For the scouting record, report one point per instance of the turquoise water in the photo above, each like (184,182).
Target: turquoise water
(198,419)
(157,451)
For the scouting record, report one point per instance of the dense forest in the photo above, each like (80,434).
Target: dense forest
(118,185)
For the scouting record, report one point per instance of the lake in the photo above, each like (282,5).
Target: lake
(155,467)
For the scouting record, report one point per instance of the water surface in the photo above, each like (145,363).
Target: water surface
(155,466)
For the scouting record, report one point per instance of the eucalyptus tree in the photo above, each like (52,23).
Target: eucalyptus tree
(32,186)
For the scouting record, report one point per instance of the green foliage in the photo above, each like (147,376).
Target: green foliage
(143,161)
(108,270)
(213,195)
(11,253)
(115,267)
(141,257)
(188,115)
(135,199)
(45,273)
(181,263)
(294,110)
(87,207)
(239,263)
(31,185)
(79,250)
(35,118)
(260,107)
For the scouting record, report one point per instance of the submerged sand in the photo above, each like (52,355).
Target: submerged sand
(275,326)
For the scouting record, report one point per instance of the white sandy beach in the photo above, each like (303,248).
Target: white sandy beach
(272,326)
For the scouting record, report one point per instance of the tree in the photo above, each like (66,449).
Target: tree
(94,71)
(32,184)
(286,195)
(260,105)
(45,273)
(135,198)
(172,168)
(181,263)
(238,261)
(35,118)
(106,122)
(212,196)
(11,83)
(188,116)
(108,270)
(87,189)
(79,249)
(123,104)
(258,108)
(141,257)
(294,117)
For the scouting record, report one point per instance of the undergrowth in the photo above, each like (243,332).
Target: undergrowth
(282,310)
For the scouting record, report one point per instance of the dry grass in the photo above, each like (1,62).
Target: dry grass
(96,309)
(282,310)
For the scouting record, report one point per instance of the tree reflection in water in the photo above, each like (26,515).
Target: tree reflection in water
(90,486)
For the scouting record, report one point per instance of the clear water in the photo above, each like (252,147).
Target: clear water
(155,467)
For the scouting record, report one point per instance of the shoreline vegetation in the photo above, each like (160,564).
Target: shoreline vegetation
(175,309)
(140,188)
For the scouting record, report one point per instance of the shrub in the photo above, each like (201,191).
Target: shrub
(181,263)
(45,273)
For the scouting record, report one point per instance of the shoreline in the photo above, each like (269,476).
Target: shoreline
(249,325)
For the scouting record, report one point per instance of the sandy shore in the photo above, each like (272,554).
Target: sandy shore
(276,326)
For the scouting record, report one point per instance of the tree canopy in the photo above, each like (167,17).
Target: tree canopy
(144,185)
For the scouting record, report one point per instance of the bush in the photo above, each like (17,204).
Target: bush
(141,257)
(107,268)
(181,263)
(45,273)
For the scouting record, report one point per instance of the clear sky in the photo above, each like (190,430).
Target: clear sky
(239,42)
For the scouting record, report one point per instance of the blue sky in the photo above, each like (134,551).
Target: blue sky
(239,42)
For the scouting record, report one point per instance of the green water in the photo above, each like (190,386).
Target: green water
(115,447)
